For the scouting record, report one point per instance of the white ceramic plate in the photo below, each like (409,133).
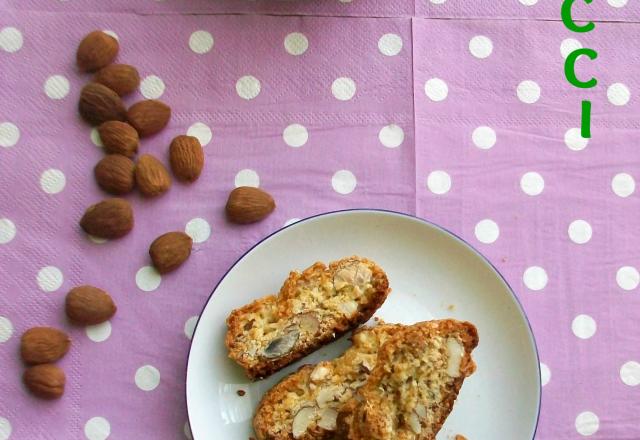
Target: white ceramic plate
(432,273)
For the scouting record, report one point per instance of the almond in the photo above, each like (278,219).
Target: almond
(42,345)
(99,104)
(149,117)
(96,50)
(110,218)
(152,177)
(186,157)
(121,78)
(115,174)
(45,381)
(248,205)
(119,137)
(170,250)
(88,305)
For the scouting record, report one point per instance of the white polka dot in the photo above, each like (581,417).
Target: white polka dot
(99,332)
(49,278)
(480,46)
(296,43)
(580,231)
(97,428)
(190,326)
(439,182)
(587,423)
(9,134)
(95,137)
(343,88)
(437,2)
(618,94)
(487,231)
(390,44)
(623,185)
(148,278)
(52,181)
(528,2)
(343,182)
(111,34)
(545,374)
(436,89)
(198,229)
(5,429)
(484,137)
(568,45)
(630,373)
(345,1)
(56,87)
(574,140)
(248,87)
(532,183)
(201,131)
(535,278)
(147,378)
(295,135)
(187,431)
(617,3)
(201,42)
(391,136)
(628,278)
(97,240)
(528,92)
(6,329)
(7,230)
(291,221)
(152,87)
(247,177)
(583,326)
(10,39)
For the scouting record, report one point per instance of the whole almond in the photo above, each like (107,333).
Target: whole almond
(119,138)
(152,177)
(121,78)
(99,104)
(115,174)
(110,218)
(149,117)
(247,204)
(42,345)
(170,250)
(88,305)
(45,381)
(186,157)
(96,50)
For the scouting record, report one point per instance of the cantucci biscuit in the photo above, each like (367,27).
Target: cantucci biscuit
(305,404)
(412,389)
(312,309)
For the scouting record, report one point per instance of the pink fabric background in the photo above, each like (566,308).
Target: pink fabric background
(591,379)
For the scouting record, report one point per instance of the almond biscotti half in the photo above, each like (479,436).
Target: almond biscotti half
(305,404)
(412,389)
(313,308)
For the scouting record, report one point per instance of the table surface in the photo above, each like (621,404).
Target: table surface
(457,112)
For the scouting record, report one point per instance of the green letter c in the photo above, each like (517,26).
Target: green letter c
(570,68)
(567,19)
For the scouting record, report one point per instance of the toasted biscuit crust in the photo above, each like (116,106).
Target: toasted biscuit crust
(414,385)
(312,309)
(325,387)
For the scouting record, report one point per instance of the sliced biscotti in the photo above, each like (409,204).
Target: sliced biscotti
(305,404)
(313,308)
(412,389)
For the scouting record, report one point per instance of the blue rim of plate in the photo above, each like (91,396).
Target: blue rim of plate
(400,214)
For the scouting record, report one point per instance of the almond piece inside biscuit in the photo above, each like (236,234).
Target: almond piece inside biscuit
(282,345)
(302,420)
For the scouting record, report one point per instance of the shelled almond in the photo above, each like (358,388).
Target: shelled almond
(247,204)
(96,50)
(152,177)
(115,174)
(89,305)
(121,78)
(186,157)
(148,117)
(46,381)
(43,345)
(99,104)
(170,250)
(110,218)
(119,138)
